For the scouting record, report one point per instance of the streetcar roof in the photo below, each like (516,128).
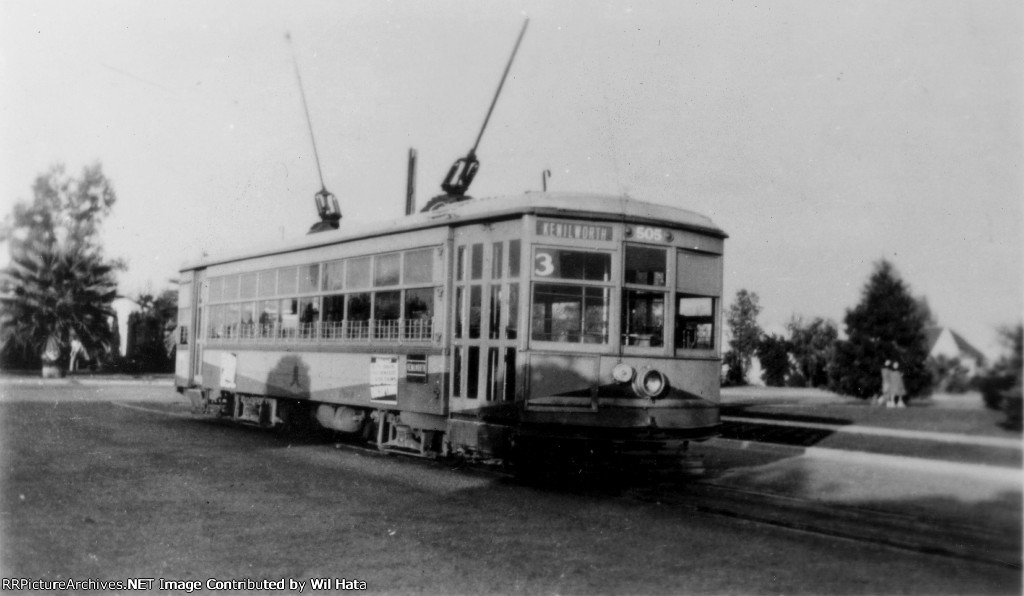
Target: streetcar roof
(587,206)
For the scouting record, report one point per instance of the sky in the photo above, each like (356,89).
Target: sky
(822,136)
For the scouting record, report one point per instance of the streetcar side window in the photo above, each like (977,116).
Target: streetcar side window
(247,287)
(289,317)
(184,311)
(267,283)
(419,313)
(248,329)
(695,322)
(287,281)
(215,288)
(231,319)
(387,270)
(309,278)
(698,288)
(419,267)
(230,288)
(334,276)
(269,317)
(214,321)
(386,297)
(387,308)
(514,247)
(357,275)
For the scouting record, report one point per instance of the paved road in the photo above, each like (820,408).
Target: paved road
(93,488)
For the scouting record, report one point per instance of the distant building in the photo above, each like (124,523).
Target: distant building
(946,343)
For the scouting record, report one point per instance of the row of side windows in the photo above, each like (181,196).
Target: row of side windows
(385,297)
(411,267)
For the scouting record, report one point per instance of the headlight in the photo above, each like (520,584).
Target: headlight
(623,373)
(650,383)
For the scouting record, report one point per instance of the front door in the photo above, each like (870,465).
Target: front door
(199,285)
(486,315)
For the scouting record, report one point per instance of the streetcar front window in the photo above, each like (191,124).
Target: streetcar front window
(570,314)
(643,297)
(567,312)
(645,266)
(644,318)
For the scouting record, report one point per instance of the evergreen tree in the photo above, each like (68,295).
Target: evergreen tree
(62,284)
(773,352)
(151,344)
(887,324)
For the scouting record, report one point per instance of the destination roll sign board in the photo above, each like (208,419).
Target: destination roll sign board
(573,231)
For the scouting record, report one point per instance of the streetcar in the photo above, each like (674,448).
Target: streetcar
(539,323)
(544,326)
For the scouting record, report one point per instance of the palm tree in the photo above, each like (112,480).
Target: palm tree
(61,291)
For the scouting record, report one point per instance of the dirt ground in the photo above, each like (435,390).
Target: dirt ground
(94,489)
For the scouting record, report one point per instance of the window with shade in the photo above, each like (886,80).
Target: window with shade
(698,291)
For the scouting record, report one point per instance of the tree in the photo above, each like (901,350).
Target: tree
(151,343)
(773,352)
(887,324)
(812,346)
(745,334)
(1001,385)
(948,374)
(63,284)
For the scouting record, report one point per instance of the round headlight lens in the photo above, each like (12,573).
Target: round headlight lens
(651,383)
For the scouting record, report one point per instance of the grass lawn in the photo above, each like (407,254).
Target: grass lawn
(963,414)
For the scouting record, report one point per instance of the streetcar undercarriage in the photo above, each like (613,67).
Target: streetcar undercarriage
(522,446)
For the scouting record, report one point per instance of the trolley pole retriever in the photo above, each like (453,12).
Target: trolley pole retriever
(462,172)
(326,202)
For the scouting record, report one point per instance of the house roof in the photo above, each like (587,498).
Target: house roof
(962,345)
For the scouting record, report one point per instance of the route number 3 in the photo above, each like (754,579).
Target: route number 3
(545,264)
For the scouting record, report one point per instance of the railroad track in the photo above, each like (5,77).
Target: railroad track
(907,532)
(915,533)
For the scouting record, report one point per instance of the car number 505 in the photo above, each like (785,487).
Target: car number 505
(651,234)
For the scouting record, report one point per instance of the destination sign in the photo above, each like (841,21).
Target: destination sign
(573,231)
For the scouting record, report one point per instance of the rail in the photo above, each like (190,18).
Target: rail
(375,330)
